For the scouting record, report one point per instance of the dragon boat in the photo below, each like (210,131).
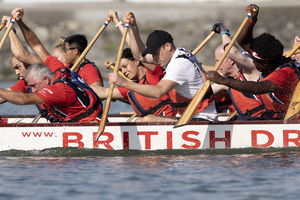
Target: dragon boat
(18,132)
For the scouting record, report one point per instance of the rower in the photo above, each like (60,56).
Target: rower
(280,76)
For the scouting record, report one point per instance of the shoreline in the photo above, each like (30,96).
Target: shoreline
(188,23)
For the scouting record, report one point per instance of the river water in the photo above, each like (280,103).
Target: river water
(72,173)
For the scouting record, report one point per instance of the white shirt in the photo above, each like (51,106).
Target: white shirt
(185,73)
(189,79)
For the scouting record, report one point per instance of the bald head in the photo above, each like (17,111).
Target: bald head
(228,67)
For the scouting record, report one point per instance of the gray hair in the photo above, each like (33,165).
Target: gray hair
(39,71)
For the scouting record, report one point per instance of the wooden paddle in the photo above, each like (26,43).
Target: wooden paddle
(111,86)
(293,50)
(2,26)
(188,113)
(36,118)
(294,106)
(11,24)
(110,66)
(87,49)
(199,47)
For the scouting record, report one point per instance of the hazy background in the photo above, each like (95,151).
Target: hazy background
(188,21)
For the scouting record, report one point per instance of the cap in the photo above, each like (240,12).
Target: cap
(155,40)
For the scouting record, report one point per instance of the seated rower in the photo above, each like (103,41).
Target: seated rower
(74,45)
(64,100)
(280,74)
(134,70)
(184,74)
(237,65)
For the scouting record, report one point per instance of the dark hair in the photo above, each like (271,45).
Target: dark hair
(127,53)
(79,41)
(267,47)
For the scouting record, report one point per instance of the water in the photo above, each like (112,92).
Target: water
(61,173)
(212,176)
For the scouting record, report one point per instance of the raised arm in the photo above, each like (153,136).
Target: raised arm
(242,61)
(17,47)
(246,36)
(136,44)
(30,37)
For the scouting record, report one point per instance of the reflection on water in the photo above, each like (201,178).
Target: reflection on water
(273,175)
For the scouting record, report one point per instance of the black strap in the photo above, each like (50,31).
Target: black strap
(86,113)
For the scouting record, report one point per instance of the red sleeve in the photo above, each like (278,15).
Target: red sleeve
(20,86)
(124,92)
(54,64)
(90,74)
(57,94)
(282,78)
(153,77)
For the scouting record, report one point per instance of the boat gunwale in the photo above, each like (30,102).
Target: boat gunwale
(271,122)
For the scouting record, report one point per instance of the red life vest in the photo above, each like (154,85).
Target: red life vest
(224,103)
(89,100)
(246,103)
(144,105)
(267,106)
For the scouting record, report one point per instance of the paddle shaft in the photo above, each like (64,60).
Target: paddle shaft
(112,67)
(87,49)
(2,26)
(294,105)
(195,51)
(11,24)
(36,118)
(111,86)
(188,113)
(292,51)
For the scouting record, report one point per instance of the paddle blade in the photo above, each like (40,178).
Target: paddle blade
(294,106)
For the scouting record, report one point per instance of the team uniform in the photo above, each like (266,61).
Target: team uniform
(65,103)
(20,86)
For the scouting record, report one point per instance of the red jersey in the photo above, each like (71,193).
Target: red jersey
(89,72)
(286,79)
(62,99)
(21,86)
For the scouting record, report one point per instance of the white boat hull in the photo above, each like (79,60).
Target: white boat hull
(151,136)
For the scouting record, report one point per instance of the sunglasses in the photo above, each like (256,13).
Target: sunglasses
(72,48)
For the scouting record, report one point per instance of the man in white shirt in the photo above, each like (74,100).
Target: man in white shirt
(184,74)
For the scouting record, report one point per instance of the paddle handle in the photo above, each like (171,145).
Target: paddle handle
(111,86)
(292,51)
(109,65)
(11,24)
(231,115)
(87,49)
(199,47)
(2,26)
(188,113)
(294,106)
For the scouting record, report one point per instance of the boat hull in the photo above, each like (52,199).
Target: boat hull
(151,136)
